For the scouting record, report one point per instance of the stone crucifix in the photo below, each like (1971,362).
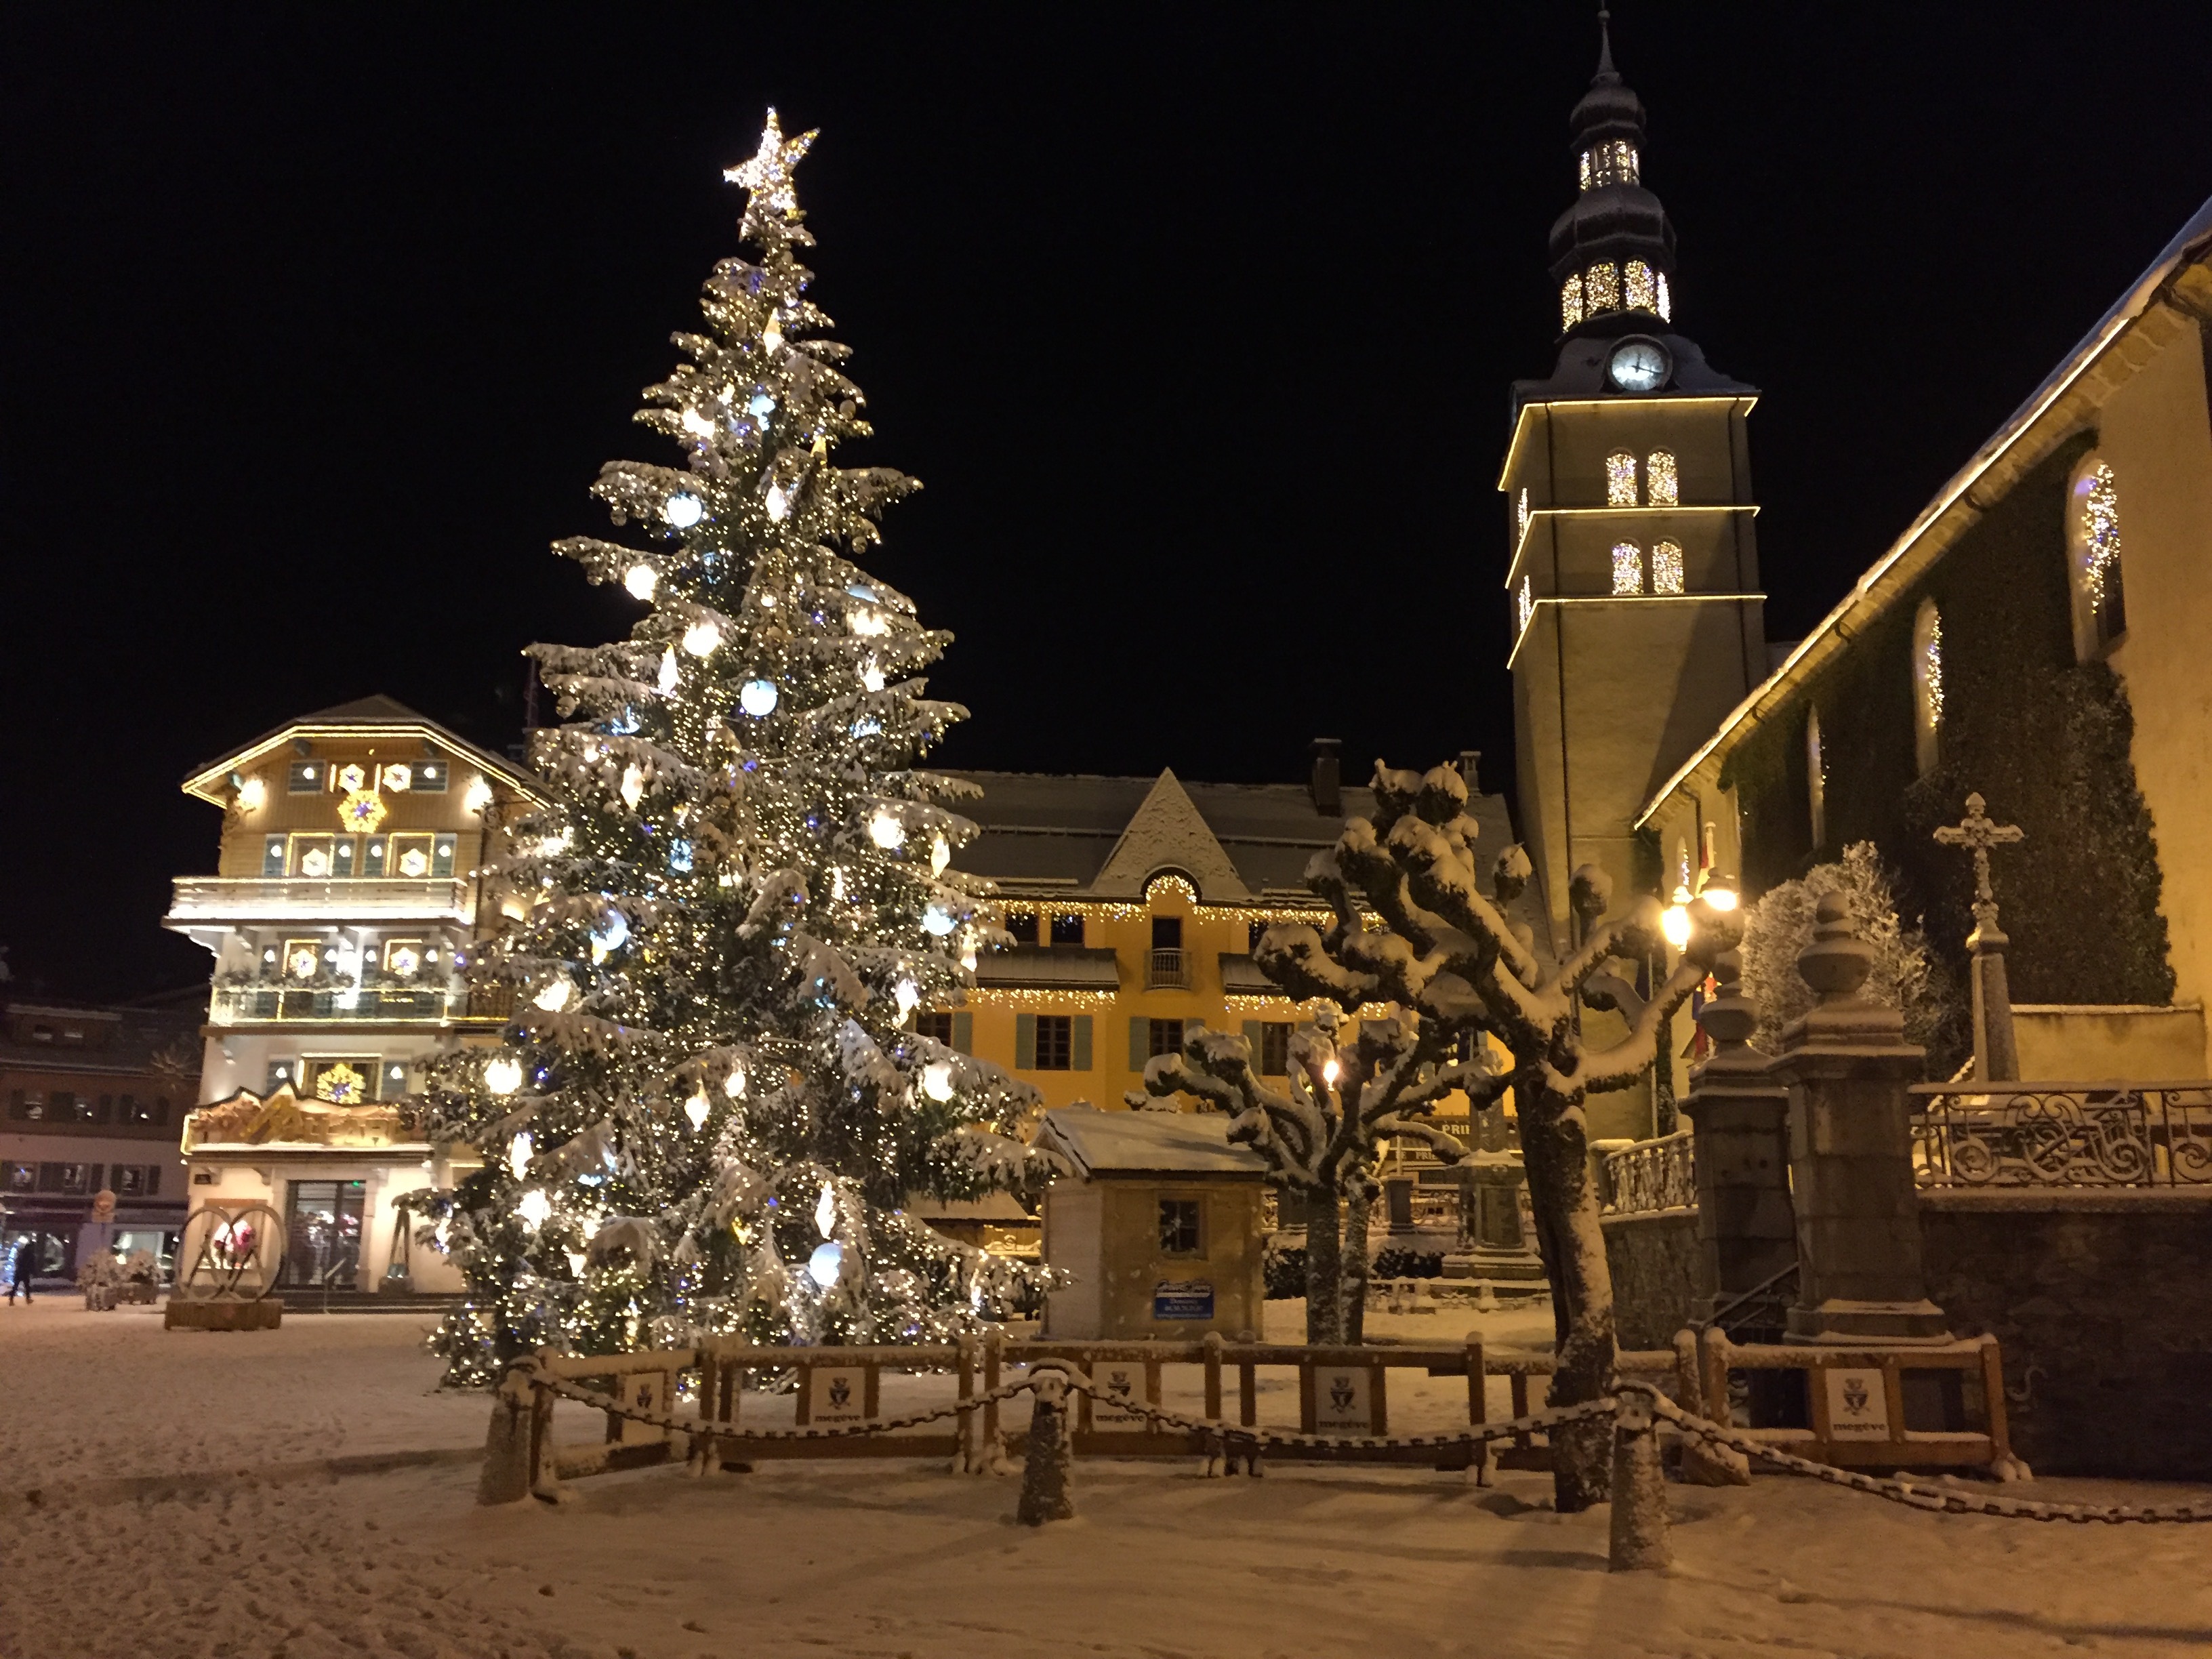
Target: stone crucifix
(1996,1057)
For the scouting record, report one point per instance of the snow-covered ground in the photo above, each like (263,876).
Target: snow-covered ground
(172,1494)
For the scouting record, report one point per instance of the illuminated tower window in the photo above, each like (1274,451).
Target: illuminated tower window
(1927,686)
(1620,479)
(1571,303)
(1613,162)
(1667,568)
(1666,305)
(1660,488)
(1602,288)
(1627,568)
(1639,294)
(1524,605)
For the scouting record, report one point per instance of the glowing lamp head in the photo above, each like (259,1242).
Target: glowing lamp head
(1675,923)
(758,698)
(702,638)
(684,510)
(827,1264)
(937,1081)
(252,794)
(479,793)
(642,582)
(1719,895)
(503,1076)
(1330,1071)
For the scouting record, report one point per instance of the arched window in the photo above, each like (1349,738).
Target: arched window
(1601,287)
(1571,303)
(1524,606)
(1521,515)
(1636,291)
(1666,304)
(1927,686)
(1816,778)
(1661,486)
(1613,162)
(1627,568)
(2092,533)
(1667,568)
(1620,479)
(1681,870)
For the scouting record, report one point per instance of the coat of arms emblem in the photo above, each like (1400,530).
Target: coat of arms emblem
(840,1392)
(1856,1397)
(1339,1391)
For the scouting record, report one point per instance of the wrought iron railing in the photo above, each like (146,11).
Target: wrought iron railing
(1648,1175)
(2063,1134)
(247,1005)
(1168,970)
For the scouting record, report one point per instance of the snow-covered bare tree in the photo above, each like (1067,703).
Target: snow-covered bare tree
(1347,1095)
(1445,950)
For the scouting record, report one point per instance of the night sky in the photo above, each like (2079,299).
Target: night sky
(1198,330)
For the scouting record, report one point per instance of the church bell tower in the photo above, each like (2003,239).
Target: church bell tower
(1633,582)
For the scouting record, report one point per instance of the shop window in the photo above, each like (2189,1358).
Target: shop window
(1067,929)
(1181,1226)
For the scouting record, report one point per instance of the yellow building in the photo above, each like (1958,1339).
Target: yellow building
(1136,902)
(347,892)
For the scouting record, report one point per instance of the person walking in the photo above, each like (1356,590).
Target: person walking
(20,1270)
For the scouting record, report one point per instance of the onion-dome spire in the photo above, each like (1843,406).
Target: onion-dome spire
(1613,251)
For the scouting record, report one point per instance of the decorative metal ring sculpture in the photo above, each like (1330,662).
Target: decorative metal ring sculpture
(230,1255)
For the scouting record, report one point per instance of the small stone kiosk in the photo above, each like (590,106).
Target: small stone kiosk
(1159,1223)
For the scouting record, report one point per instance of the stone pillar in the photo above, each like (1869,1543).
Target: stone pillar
(1847,1065)
(1741,1119)
(1996,1054)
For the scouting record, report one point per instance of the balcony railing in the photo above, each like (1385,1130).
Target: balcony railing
(1641,1177)
(296,898)
(254,1005)
(2063,1134)
(1168,970)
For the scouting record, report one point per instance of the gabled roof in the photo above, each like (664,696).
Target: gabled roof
(1047,834)
(1166,832)
(376,714)
(2054,410)
(1186,1144)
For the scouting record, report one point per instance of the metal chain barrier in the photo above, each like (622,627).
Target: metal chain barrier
(1934,1500)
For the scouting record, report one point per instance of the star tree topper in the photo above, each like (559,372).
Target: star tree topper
(768,175)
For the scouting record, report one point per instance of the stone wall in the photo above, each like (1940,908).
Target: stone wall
(1658,1275)
(2104,1310)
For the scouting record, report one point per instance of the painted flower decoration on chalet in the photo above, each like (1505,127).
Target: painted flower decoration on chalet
(341,1084)
(362,809)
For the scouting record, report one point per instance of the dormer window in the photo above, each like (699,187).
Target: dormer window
(1667,568)
(1601,287)
(1613,162)
(1661,487)
(1627,568)
(1638,291)
(1620,479)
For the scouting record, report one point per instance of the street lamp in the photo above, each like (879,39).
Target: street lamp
(1675,923)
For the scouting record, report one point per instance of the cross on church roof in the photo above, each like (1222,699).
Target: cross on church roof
(1978,831)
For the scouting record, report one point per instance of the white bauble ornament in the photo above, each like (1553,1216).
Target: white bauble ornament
(503,1075)
(684,510)
(535,1208)
(758,698)
(642,580)
(700,639)
(826,1264)
(886,832)
(937,1079)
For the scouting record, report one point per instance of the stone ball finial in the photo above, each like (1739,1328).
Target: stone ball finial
(1837,963)
(1731,1017)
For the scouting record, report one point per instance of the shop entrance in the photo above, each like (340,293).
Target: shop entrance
(322,1243)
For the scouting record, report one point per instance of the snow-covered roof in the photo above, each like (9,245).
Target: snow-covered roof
(1048,968)
(380,713)
(1119,1142)
(1088,837)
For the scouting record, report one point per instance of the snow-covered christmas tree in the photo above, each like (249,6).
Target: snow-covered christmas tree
(710,1110)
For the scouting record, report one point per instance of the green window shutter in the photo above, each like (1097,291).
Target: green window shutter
(1082,1042)
(1252,1039)
(1025,1043)
(963,1033)
(1140,1042)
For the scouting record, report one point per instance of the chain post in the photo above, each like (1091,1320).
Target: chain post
(1638,1538)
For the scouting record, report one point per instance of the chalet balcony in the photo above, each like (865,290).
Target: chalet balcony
(270,1005)
(1167,970)
(279,899)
